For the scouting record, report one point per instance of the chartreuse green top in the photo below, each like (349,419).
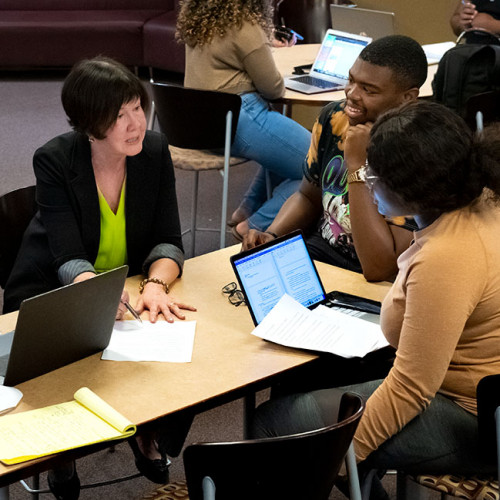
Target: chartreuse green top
(113,243)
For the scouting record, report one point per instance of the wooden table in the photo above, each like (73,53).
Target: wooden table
(287,58)
(227,363)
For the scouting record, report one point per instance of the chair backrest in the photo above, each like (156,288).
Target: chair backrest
(192,118)
(293,467)
(17,208)
(488,400)
(310,18)
(488,103)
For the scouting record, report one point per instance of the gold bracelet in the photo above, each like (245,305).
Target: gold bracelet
(158,281)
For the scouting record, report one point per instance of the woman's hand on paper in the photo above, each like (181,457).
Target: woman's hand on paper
(157,302)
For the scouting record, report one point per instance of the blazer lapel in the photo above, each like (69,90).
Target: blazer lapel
(84,189)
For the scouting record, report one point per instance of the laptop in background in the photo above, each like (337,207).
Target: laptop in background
(330,70)
(267,272)
(61,326)
(372,23)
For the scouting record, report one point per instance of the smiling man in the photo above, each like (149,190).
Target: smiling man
(333,205)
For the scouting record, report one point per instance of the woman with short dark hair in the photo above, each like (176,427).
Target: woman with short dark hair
(442,312)
(106,198)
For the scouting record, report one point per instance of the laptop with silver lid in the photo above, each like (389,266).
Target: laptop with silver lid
(367,22)
(61,326)
(330,70)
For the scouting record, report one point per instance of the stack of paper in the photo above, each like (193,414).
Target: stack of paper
(160,341)
(322,329)
(36,433)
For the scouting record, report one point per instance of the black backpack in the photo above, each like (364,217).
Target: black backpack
(466,70)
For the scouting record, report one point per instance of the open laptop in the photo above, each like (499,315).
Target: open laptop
(372,23)
(61,326)
(267,272)
(330,70)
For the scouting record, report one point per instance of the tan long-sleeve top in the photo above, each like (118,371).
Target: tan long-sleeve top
(237,63)
(443,316)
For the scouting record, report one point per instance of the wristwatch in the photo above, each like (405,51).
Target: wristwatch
(358,175)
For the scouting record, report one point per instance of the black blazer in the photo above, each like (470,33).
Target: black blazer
(67,225)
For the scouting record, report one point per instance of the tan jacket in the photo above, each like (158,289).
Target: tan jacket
(239,62)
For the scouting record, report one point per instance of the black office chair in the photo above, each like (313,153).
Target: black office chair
(482,109)
(310,18)
(300,466)
(197,123)
(17,208)
(456,486)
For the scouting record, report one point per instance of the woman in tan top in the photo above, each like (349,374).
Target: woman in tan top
(442,313)
(228,49)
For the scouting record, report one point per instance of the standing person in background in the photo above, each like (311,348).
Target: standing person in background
(228,49)
(481,14)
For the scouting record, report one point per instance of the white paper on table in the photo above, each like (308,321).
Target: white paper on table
(160,341)
(9,397)
(323,329)
(435,51)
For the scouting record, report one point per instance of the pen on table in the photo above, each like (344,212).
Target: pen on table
(132,311)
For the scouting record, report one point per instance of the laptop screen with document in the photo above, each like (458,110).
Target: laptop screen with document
(284,266)
(268,272)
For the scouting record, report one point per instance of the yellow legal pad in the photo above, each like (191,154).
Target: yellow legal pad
(36,433)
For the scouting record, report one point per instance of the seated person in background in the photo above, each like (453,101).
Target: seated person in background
(442,311)
(106,197)
(228,49)
(333,203)
(482,14)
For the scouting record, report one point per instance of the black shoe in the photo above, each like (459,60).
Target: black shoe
(154,470)
(62,486)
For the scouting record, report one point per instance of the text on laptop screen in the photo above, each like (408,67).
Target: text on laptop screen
(337,54)
(284,268)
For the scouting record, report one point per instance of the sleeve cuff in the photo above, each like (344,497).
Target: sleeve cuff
(164,251)
(71,269)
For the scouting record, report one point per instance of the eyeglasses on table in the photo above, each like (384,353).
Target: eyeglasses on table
(234,295)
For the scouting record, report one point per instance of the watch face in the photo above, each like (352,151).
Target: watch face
(361,173)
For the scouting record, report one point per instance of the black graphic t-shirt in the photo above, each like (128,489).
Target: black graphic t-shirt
(324,167)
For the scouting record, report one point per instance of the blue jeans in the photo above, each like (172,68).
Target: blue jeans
(279,145)
(442,439)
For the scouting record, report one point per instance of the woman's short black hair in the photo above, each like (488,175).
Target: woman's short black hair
(95,90)
(430,160)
